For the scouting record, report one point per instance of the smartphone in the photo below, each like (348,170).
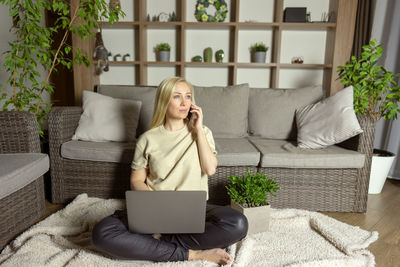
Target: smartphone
(189,114)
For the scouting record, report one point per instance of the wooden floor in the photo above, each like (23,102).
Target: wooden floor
(383,215)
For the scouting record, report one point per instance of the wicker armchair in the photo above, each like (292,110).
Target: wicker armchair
(70,178)
(22,208)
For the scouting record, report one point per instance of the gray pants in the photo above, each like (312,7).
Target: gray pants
(224,226)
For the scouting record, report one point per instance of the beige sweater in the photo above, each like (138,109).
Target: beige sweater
(172,159)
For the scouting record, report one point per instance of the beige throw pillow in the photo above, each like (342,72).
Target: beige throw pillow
(327,122)
(107,119)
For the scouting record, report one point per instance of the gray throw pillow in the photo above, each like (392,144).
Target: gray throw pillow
(145,94)
(272,111)
(327,122)
(105,118)
(225,109)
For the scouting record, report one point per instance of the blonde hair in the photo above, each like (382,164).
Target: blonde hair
(163,96)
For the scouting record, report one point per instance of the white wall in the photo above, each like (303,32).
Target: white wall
(309,44)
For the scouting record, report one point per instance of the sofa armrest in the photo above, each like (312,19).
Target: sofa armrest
(363,143)
(63,122)
(19,132)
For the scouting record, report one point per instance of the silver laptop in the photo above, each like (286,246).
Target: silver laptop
(166,212)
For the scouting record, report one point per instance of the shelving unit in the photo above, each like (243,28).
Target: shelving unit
(338,42)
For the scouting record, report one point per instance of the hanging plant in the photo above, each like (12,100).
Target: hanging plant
(202,15)
(31,50)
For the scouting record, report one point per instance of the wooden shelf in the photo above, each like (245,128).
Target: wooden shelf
(305,66)
(210,64)
(124,63)
(338,42)
(162,63)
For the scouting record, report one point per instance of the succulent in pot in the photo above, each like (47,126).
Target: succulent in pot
(259,52)
(163,51)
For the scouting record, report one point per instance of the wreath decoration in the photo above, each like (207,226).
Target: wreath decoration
(220,13)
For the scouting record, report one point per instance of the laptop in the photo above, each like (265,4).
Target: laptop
(166,212)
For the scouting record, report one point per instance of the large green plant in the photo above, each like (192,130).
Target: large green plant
(375,89)
(32,47)
(251,189)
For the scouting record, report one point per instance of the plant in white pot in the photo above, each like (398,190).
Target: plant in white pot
(376,96)
(163,51)
(248,195)
(259,52)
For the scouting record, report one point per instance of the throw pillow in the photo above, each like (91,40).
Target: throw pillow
(225,109)
(272,111)
(327,122)
(107,119)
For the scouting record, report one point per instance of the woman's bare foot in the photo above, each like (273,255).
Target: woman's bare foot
(157,236)
(216,255)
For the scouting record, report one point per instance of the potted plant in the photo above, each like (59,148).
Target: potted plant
(376,96)
(259,52)
(163,51)
(32,47)
(248,195)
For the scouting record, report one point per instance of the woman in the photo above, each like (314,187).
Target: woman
(177,153)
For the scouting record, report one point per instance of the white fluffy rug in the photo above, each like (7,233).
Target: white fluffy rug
(295,238)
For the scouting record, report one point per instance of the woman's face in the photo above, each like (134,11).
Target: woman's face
(179,105)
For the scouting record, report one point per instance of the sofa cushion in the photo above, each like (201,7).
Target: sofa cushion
(272,111)
(105,118)
(327,122)
(20,169)
(145,94)
(96,151)
(236,152)
(285,154)
(225,109)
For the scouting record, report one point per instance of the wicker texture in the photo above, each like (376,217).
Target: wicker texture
(217,182)
(19,210)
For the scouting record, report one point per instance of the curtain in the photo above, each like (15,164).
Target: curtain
(362,32)
(385,29)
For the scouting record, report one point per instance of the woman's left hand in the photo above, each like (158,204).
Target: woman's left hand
(197,122)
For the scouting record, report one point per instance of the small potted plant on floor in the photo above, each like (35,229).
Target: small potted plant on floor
(259,52)
(163,51)
(376,96)
(248,195)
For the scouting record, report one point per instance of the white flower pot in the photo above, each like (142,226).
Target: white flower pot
(380,167)
(257,217)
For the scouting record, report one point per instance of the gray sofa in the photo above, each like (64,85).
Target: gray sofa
(22,166)
(252,127)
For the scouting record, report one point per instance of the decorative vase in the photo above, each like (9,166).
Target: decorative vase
(381,163)
(208,54)
(197,59)
(257,217)
(163,56)
(219,55)
(260,56)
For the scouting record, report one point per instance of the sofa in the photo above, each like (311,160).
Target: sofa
(253,128)
(22,166)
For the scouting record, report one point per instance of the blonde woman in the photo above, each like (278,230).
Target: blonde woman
(177,153)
